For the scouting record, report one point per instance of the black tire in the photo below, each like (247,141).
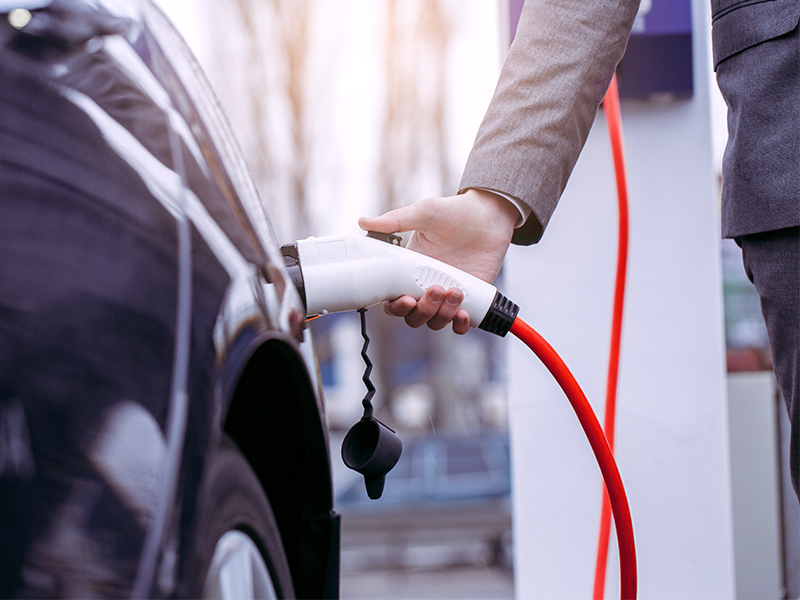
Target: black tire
(231,499)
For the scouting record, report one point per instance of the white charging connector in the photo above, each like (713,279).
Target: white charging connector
(348,272)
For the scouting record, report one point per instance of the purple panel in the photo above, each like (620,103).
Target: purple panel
(657,64)
(667,17)
(659,55)
(514,11)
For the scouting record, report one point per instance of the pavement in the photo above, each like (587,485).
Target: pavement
(460,583)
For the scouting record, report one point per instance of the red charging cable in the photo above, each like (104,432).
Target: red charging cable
(600,447)
(614,499)
(614,120)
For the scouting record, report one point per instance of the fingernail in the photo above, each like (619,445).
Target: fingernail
(436,295)
(454,299)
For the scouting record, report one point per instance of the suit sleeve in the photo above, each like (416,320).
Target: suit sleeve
(555,76)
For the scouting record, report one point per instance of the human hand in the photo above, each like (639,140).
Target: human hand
(471,231)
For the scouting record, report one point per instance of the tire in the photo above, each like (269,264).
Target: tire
(236,547)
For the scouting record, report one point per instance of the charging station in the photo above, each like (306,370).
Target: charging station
(672,425)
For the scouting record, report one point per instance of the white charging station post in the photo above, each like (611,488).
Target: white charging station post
(672,424)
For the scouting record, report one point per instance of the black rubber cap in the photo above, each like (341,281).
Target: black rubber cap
(372,449)
(500,317)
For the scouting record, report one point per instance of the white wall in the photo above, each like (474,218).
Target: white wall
(672,426)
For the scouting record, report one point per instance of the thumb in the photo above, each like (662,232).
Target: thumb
(408,218)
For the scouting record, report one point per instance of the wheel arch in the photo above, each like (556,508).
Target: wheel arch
(275,419)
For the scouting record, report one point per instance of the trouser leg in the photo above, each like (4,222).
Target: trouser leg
(772,262)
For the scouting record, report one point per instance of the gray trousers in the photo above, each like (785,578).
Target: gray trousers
(761,197)
(772,262)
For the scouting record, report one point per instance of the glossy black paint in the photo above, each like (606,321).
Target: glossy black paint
(109,140)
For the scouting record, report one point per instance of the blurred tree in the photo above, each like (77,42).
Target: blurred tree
(413,151)
(292,20)
(274,70)
(260,73)
(414,159)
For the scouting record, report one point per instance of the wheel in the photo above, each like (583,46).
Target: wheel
(237,569)
(237,549)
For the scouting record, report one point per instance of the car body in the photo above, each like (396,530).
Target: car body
(446,502)
(155,383)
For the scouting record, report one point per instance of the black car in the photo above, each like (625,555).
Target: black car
(161,427)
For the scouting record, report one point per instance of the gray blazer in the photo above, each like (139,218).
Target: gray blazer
(555,76)
(741,24)
(757,58)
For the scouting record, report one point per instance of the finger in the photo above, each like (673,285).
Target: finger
(461,322)
(427,306)
(399,307)
(383,224)
(408,218)
(447,310)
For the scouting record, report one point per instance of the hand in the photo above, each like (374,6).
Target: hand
(471,231)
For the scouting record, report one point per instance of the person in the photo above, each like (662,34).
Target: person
(554,77)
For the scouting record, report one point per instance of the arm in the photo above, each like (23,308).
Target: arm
(471,232)
(554,78)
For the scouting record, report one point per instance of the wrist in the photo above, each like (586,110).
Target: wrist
(502,209)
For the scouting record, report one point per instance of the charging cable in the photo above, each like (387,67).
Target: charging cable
(350,272)
(602,451)
(614,120)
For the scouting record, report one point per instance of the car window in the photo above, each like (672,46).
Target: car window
(405,482)
(472,468)
(441,468)
(465,459)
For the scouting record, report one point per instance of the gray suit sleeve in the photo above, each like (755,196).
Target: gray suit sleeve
(555,76)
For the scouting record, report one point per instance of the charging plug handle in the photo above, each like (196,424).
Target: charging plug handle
(291,260)
(348,272)
(501,315)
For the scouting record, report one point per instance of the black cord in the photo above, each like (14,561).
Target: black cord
(367,401)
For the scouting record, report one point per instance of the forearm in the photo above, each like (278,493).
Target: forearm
(555,76)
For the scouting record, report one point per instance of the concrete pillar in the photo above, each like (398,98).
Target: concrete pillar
(672,426)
